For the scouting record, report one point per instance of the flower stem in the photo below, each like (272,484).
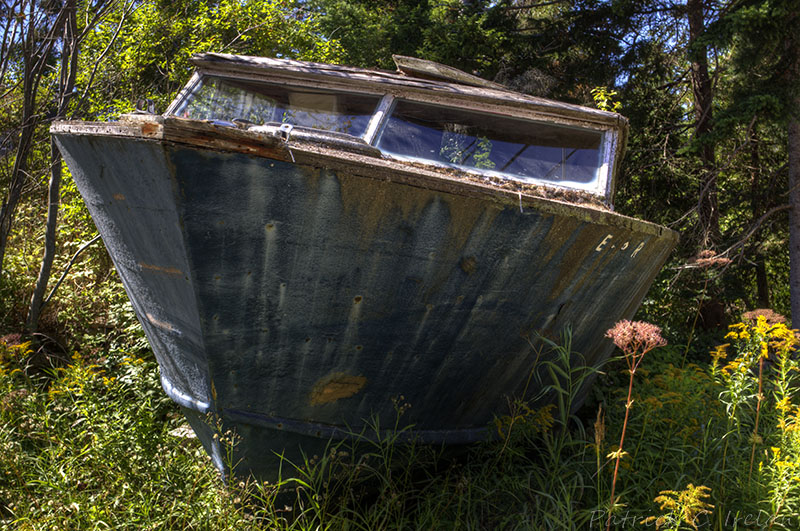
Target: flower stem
(758,412)
(628,404)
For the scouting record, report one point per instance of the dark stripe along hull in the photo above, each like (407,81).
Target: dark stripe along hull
(295,301)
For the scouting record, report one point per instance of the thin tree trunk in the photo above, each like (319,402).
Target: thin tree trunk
(762,283)
(792,76)
(757,209)
(703,101)
(69,66)
(794,213)
(54,201)
(28,125)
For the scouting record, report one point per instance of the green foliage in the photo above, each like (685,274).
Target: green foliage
(758,35)
(467,35)
(472,36)
(89,445)
(371,31)
(150,58)
(604,99)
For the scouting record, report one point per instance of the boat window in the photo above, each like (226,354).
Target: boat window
(520,149)
(226,99)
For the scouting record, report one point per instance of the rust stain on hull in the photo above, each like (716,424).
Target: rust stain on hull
(376,202)
(335,387)
(159,323)
(150,129)
(161,269)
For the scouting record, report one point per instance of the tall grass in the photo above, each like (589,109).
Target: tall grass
(93,443)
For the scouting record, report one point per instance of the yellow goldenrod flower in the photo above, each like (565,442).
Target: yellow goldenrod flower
(784,404)
(720,352)
(762,327)
(617,454)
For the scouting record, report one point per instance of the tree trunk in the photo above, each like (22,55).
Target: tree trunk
(762,283)
(792,76)
(794,213)
(54,200)
(757,209)
(68,73)
(703,101)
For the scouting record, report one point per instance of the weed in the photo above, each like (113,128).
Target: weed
(684,506)
(634,339)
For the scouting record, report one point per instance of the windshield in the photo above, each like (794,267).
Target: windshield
(496,145)
(260,103)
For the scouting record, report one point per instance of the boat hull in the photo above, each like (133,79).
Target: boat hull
(292,302)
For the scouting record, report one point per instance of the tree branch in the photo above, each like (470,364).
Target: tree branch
(69,265)
(760,221)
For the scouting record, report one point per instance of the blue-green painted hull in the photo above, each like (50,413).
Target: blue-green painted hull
(293,301)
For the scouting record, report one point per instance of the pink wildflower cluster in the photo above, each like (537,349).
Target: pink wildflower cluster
(11,340)
(709,258)
(636,338)
(771,316)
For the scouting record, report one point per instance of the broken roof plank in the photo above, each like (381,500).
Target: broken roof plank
(424,69)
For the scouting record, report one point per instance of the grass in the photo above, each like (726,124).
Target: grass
(93,443)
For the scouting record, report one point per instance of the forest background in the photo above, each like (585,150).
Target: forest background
(711,89)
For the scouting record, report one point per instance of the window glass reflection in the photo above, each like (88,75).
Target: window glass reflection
(526,150)
(233,99)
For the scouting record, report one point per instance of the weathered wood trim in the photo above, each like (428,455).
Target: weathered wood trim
(195,133)
(125,129)
(183,131)
(378,120)
(274,62)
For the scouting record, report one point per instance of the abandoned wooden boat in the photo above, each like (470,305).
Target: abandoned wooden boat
(304,243)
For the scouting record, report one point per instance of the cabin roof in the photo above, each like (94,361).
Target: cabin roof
(460,85)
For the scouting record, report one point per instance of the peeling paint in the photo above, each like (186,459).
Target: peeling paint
(335,387)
